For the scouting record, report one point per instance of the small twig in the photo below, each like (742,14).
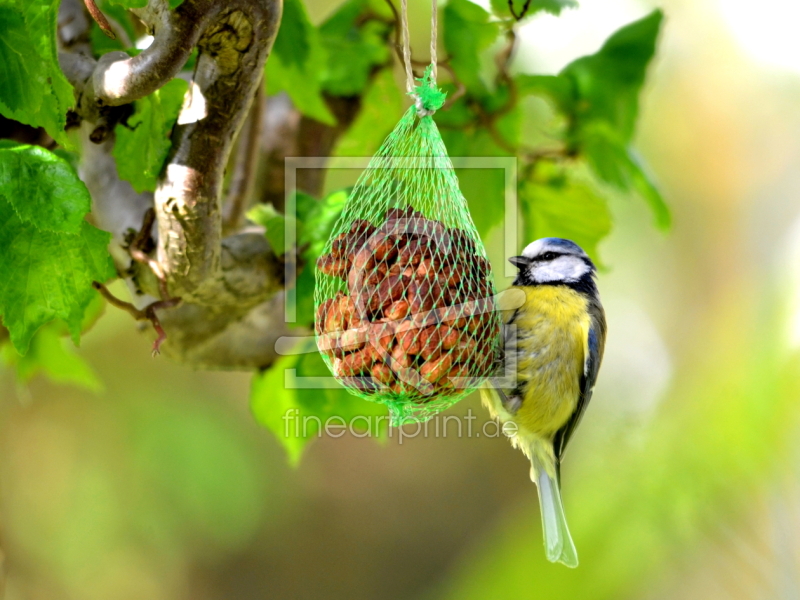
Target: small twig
(99,18)
(150,312)
(461,89)
(503,62)
(120,32)
(146,314)
(136,250)
(116,302)
(245,169)
(522,13)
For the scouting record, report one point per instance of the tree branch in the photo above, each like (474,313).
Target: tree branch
(240,189)
(233,50)
(121,79)
(235,279)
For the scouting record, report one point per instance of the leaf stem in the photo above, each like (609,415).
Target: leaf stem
(100,19)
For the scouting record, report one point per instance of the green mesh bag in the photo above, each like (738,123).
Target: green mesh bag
(404,310)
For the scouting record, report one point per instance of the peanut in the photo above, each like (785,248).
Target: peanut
(419,297)
(353,364)
(408,337)
(364,260)
(397,310)
(430,343)
(464,350)
(382,373)
(382,336)
(334,319)
(328,265)
(400,358)
(434,370)
(449,336)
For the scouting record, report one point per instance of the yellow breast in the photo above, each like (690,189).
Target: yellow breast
(552,328)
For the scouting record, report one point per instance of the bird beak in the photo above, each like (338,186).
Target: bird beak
(519,261)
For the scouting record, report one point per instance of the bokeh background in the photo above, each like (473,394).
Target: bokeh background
(682,483)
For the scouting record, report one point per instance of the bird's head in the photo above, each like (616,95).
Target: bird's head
(552,260)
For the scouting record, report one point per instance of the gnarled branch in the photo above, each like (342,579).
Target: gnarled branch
(233,50)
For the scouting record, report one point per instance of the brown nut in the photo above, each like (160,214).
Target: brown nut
(425,295)
(390,289)
(449,336)
(451,275)
(364,260)
(434,370)
(334,319)
(339,246)
(464,351)
(382,336)
(377,274)
(397,310)
(458,371)
(328,265)
(406,212)
(431,342)
(383,248)
(328,344)
(451,316)
(347,308)
(382,373)
(408,337)
(367,301)
(400,359)
(352,339)
(353,364)
(322,311)
(364,384)
(413,252)
(361,226)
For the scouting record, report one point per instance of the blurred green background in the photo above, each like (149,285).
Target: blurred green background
(683,480)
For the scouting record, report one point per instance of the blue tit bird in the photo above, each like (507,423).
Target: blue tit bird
(554,330)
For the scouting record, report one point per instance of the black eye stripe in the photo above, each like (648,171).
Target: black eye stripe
(548,256)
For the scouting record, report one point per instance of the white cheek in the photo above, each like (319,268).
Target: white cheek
(561,269)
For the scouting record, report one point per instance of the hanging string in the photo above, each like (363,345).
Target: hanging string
(434,37)
(406,46)
(410,84)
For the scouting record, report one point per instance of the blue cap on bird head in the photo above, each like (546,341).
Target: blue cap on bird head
(552,244)
(552,260)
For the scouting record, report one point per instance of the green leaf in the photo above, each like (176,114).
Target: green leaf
(615,163)
(49,355)
(143,145)
(297,416)
(273,407)
(318,218)
(558,89)
(467,33)
(275,226)
(34,90)
(501,8)
(483,188)
(599,97)
(608,82)
(354,47)
(43,188)
(554,205)
(46,275)
(296,62)
(382,107)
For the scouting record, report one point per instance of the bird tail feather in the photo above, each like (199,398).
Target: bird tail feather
(558,543)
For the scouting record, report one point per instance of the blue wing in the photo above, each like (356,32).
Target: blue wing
(591,366)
